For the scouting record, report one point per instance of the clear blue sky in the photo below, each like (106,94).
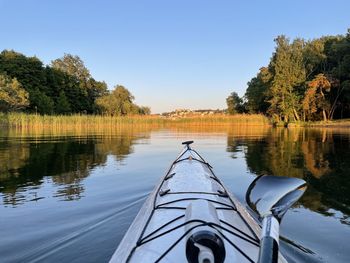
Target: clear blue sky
(168,53)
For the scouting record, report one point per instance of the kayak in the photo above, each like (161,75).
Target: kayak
(191,217)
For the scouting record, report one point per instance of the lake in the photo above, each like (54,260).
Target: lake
(70,196)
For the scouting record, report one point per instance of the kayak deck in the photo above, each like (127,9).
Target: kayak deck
(160,230)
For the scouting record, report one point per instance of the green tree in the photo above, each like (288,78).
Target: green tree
(124,100)
(29,71)
(315,59)
(142,110)
(119,102)
(289,75)
(256,93)
(65,86)
(40,102)
(63,105)
(81,89)
(234,103)
(73,66)
(282,89)
(12,96)
(338,54)
(95,90)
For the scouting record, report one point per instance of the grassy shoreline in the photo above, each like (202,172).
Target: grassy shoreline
(21,120)
(29,121)
(344,123)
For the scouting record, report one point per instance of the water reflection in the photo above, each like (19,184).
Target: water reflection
(64,161)
(39,167)
(318,156)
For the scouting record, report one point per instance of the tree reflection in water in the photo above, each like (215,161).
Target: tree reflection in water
(320,156)
(64,160)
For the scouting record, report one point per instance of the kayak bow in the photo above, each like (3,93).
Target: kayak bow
(191,217)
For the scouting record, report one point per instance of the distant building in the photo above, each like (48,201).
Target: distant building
(180,113)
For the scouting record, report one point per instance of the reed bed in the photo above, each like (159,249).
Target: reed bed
(21,120)
(222,119)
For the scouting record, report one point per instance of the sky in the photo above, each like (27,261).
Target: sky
(170,54)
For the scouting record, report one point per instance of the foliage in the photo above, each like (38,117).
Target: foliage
(288,77)
(82,90)
(293,86)
(234,104)
(256,93)
(315,97)
(73,66)
(12,96)
(29,71)
(40,102)
(143,110)
(63,105)
(117,103)
(64,87)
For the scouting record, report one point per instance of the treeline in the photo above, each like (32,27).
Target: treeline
(304,81)
(63,87)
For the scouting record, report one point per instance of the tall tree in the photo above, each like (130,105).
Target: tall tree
(29,71)
(95,90)
(73,66)
(40,102)
(315,59)
(285,83)
(81,88)
(12,96)
(289,76)
(63,105)
(66,86)
(315,97)
(256,93)
(338,54)
(234,103)
(118,103)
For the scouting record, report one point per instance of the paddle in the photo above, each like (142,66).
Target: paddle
(270,197)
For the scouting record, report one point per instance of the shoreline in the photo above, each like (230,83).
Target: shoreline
(24,120)
(33,120)
(345,123)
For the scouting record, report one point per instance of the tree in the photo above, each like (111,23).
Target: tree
(95,90)
(289,74)
(40,103)
(29,71)
(62,105)
(338,54)
(65,86)
(256,93)
(123,99)
(118,103)
(81,89)
(12,96)
(234,103)
(73,66)
(105,105)
(316,97)
(284,85)
(144,110)
(314,56)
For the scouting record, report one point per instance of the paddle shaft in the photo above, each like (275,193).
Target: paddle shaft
(269,240)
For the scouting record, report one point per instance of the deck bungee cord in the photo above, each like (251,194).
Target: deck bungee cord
(191,217)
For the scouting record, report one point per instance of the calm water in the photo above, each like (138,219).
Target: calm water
(70,197)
